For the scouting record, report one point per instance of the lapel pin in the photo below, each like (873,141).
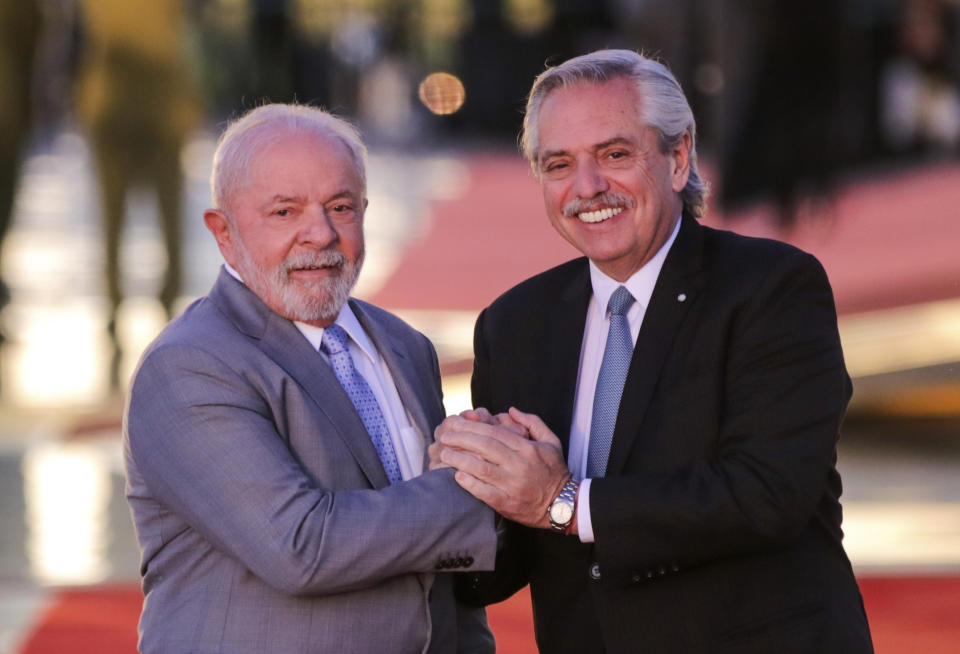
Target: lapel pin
(682,297)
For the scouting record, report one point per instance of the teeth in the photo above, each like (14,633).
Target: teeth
(599,215)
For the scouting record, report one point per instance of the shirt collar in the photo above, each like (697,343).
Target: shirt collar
(346,319)
(640,284)
(233,273)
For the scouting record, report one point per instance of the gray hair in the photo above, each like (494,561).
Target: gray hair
(663,106)
(255,130)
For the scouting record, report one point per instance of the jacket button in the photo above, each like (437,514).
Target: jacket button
(636,578)
(468,561)
(662,570)
(595,571)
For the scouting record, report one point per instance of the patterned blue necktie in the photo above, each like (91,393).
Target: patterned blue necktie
(613,374)
(334,343)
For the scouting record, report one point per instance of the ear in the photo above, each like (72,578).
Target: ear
(218,224)
(680,163)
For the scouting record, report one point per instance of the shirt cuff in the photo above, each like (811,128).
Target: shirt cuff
(584,524)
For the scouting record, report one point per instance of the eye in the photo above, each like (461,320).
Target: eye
(282,212)
(555,167)
(344,209)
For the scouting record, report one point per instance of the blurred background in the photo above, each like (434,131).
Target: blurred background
(832,124)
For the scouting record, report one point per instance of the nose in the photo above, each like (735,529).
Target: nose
(589,180)
(316,229)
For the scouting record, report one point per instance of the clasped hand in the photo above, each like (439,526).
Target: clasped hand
(511,461)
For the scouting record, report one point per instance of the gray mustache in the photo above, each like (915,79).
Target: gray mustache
(322,259)
(598,201)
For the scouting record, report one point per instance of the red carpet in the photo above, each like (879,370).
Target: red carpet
(479,244)
(913,614)
(907,615)
(100,620)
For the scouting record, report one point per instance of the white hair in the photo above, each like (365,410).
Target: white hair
(663,106)
(256,129)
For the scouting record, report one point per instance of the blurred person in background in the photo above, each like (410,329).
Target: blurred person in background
(671,470)
(20,27)
(136,99)
(275,433)
(921,97)
(791,104)
(272,42)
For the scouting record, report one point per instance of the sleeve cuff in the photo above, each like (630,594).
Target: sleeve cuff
(584,524)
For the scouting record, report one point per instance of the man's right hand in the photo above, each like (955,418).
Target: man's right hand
(517,468)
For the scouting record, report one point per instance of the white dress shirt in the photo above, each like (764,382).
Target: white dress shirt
(408,442)
(640,285)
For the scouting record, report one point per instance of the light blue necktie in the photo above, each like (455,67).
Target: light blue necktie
(334,343)
(613,374)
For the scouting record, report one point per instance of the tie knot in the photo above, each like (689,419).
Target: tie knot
(620,301)
(334,339)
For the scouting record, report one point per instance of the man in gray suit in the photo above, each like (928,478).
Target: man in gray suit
(275,433)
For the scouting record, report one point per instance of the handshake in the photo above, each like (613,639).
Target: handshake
(510,461)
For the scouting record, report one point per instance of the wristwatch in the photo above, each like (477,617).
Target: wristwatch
(562,508)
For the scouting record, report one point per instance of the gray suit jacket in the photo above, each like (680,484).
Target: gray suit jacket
(265,519)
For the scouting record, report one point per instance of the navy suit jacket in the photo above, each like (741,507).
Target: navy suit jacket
(717,523)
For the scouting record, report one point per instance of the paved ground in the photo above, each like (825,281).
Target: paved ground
(447,232)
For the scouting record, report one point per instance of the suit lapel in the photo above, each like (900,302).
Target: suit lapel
(405,377)
(562,365)
(675,292)
(280,340)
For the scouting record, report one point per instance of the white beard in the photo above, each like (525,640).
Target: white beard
(301,301)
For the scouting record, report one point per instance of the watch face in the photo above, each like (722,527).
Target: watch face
(561,512)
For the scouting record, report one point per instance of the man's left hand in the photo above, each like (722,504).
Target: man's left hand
(452,423)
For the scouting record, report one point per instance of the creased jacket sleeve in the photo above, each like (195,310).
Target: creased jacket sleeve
(205,444)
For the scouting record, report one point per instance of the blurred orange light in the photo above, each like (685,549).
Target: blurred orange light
(442,93)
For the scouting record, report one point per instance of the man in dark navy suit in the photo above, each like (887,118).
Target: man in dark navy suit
(670,474)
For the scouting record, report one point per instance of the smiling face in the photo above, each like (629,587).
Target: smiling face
(608,188)
(294,230)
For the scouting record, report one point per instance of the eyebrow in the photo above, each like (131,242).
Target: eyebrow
(345,193)
(616,140)
(279,199)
